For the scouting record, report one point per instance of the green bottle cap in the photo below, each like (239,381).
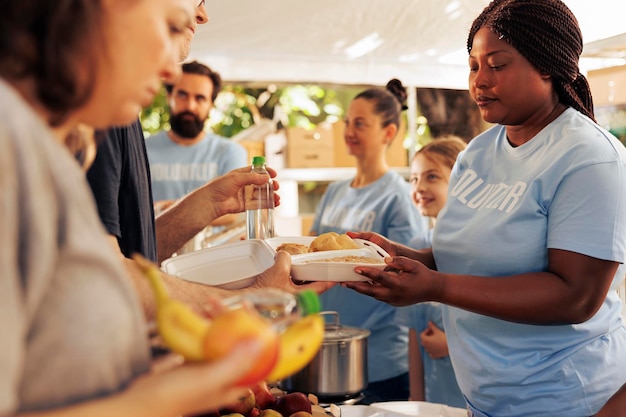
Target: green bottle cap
(309,302)
(258,160)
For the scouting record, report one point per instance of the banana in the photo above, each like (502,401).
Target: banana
(299,344)
(182,330)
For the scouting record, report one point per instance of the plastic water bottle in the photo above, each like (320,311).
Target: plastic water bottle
(278,306)
(260,204)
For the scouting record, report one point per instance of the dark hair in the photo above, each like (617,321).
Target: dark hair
(42,40)
(388,102)
(196,67)
(443,150)
(547,34)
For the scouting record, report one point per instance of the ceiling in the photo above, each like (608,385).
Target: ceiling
(368,42)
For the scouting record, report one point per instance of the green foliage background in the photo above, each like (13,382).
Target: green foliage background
(237,107)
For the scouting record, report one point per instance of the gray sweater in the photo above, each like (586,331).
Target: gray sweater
(71,327)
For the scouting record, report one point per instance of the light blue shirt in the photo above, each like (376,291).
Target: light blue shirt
(440,384)
(177,170)
(564,189)
(384,207)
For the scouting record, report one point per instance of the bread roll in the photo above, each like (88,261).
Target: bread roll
(332,241)
(293,248)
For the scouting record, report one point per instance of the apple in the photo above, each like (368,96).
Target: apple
(235,326)
(255,412)
(301,414)
(292,403)
(268,412)
(243,405)
(264,398)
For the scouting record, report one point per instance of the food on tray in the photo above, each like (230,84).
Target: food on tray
(293,248)
(332,241)
(350,259)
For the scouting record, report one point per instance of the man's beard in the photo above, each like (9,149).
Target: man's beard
(186,127)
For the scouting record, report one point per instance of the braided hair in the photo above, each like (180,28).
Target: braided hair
(388,102)
(547,34)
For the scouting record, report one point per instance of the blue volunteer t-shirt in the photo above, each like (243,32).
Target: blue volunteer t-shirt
(564,189)
(177,170)
(440,384)
(384,207)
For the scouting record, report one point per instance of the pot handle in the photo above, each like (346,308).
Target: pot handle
(331,313)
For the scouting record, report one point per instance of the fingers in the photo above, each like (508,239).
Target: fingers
(198,387)
(318,286)
(283,258)
(362,287)
(272,171)
(360,235)
(433,327)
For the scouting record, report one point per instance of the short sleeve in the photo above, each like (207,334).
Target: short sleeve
(237,158)
(12,315)
(586,215)
(104,177)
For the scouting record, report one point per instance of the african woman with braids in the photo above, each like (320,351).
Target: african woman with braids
(529,248)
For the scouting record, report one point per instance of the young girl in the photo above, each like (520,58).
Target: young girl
(430,370)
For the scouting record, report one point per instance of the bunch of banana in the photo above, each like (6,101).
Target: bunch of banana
(299,344)
(182,330)
(200,339)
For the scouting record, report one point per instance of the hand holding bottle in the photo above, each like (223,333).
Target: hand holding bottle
(260,204)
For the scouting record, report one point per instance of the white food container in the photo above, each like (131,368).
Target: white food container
(312,267)
(234,265)
(229,266)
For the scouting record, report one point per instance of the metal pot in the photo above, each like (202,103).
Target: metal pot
(340,367)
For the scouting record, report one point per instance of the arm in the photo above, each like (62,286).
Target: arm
(416,368)
(434,341)
(183,390)
(571,290)
(425,256)
(199,296)
(189,215)
(225,220)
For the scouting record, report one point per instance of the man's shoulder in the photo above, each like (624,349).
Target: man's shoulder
(224,143)
(158,141)
(132,130)
(158,136)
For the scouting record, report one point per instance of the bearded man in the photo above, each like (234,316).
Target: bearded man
(187,156)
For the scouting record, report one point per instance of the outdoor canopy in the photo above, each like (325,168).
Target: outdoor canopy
(367,42)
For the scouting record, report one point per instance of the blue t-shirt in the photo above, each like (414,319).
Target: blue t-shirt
(384,207)
(177,170)
(564,189)
(440,384)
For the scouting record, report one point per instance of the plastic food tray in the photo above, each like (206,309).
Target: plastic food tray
(235,265)
(402,409)
(313,267)
(228,266)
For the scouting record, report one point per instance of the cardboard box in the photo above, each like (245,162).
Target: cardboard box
(608,86)
(254,148)
(307,222)
(310,148)
(276,150)
(342,157)
(397,154)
